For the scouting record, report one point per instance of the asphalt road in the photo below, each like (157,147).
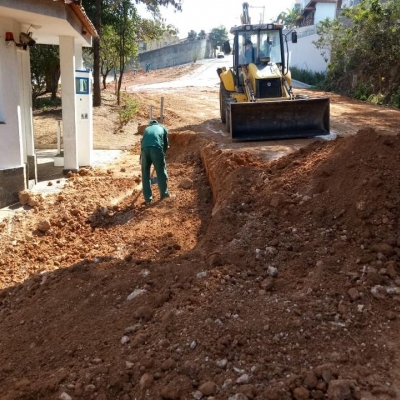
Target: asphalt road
(205,76)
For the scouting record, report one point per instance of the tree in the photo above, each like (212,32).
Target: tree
(122,36)
(201,35)
(94,9)
(217,37)
(364,48)
(108,52)
(45,70)
(99,12)
(192,36)
(125,44)
(289,17)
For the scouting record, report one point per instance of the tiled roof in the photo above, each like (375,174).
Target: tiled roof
(81,14)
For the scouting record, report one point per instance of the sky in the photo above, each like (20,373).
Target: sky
(209,14)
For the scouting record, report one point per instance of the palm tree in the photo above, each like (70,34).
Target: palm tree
(289,17)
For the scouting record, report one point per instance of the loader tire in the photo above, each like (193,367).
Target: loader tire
(228,113)
(228,119)
(223,99)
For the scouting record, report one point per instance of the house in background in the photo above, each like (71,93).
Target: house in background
(24,23)
(304,54)
(315,11)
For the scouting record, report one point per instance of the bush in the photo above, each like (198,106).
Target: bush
(307,76)
(195,56)
(376,99)
(45,102)
(128,110)
(362,92)
(395,99)
(364,43)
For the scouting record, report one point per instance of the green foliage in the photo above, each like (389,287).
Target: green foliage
(108,51)
(218,36)
(121,37)
(128,110)
(364,51)
(376,99)
(201,35)
(45,103)
(45,70)
(103,12)
(310,77)
(289,17)
(192,36)
(362,91)
(395,99)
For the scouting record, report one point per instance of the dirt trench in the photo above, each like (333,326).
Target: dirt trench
(266,280)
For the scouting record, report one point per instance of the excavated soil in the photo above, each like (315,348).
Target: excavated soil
(273,274)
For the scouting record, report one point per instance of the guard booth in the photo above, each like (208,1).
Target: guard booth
(84,116)
(23,24)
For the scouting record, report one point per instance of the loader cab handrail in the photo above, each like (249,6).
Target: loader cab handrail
(294,40)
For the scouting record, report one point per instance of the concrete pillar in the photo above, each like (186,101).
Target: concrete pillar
(67,62)
(26,114)
(12,166)
(11,147)
(78,57)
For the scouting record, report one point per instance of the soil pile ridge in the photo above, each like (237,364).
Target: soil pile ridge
(287,287)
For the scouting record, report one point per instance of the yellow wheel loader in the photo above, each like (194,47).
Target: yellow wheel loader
(256,96)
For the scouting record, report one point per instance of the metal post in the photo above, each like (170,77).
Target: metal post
(162,110)
(59,137)
(150,113)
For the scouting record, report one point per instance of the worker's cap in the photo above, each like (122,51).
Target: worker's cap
(153,121)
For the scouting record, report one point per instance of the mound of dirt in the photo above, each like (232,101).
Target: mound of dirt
(267,280)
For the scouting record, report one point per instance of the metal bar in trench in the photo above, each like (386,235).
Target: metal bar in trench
(162,110)
(58,137)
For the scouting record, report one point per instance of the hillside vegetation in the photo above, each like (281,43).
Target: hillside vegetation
(364,52)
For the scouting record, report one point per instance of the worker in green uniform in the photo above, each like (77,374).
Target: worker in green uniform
(153,148)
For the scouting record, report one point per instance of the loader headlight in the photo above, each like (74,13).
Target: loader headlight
(270,26)
(248,27)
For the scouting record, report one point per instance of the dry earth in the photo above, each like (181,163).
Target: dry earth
(267,277)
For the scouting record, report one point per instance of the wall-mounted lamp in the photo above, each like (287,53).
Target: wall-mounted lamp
(9,38)
(25,40)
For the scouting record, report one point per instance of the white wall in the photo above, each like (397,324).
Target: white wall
(68,99)
(323,11)
(305,55)
(11,149)
(26,104)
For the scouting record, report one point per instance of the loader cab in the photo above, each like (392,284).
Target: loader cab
(258,44)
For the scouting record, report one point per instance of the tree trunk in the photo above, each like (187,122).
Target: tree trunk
(56,77)
(119,83)
(48,82)
(96,57)
(52,78)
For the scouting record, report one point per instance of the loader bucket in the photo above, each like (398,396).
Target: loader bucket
(283,119)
